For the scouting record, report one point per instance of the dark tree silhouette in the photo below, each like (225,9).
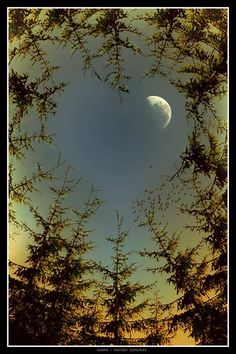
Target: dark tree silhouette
(122,314)
(49,306)
(156,324)
(47,302)
(199,275)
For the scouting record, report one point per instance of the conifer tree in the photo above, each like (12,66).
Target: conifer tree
(156,325)
(48,299)
(198,275)
(122,313)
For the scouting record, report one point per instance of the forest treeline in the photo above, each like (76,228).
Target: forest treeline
(59,295)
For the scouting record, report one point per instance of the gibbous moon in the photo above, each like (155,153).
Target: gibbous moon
(160,110)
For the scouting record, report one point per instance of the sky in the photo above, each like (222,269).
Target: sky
(116,146)
(119,147)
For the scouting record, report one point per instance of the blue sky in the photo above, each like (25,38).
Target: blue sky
(117,147)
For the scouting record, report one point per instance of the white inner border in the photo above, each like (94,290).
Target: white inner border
(109,348)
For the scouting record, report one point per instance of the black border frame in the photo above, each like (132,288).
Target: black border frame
(3,94)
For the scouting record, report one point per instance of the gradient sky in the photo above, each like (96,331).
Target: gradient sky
(117,147)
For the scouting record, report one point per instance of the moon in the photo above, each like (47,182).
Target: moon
(160,108)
